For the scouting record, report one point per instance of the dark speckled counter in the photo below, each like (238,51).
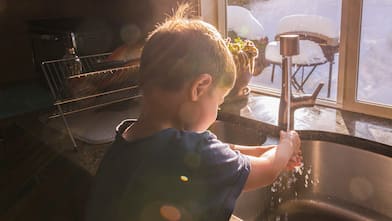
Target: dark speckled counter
(313,123)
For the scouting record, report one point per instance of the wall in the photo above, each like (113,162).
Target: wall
(214,12)
(16,60)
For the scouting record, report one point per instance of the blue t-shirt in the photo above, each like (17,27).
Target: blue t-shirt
(172,173)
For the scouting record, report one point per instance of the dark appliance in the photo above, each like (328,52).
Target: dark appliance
(50,38)
(89,78)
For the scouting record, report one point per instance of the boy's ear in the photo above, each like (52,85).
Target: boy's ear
(200,86)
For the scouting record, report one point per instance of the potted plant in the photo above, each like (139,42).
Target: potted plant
(244,53)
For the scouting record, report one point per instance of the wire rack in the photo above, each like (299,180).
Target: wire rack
(99,83)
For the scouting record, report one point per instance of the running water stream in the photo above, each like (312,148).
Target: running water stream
(285,188)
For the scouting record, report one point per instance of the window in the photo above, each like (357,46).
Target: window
(360,78)
(374,82)
(363,83)
(263,21)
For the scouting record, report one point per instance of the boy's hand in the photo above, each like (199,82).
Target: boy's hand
(267,167)
(295,161)
(294,142)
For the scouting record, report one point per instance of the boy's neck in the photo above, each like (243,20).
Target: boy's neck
(160,110)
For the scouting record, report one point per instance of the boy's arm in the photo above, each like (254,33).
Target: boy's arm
(267,167)
(255,151)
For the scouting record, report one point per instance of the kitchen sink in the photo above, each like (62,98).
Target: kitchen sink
(337,182)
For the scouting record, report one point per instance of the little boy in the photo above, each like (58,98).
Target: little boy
(167,165)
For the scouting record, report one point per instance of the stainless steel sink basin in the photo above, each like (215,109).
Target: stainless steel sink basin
(338,182)
(237,134)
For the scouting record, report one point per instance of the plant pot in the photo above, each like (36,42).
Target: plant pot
(244,54)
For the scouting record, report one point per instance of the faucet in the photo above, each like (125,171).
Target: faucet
(289,46)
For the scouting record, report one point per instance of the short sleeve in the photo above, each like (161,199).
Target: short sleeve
(225,169)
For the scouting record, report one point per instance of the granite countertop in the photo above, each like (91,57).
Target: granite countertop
(312,122)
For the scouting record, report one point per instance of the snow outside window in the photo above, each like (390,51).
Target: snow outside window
(262,21)
(374,82)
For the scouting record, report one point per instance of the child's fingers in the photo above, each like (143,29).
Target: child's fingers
(283,135)
(292,137)
(295,138)
(291,165)
(298,152)
(295,160)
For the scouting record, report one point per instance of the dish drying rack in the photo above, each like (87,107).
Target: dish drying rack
(74,93)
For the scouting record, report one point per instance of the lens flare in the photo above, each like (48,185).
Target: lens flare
(184,179)
(170,213)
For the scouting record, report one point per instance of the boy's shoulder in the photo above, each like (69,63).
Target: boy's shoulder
(121,127)
(172,140)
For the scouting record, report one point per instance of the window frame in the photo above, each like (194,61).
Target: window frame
(351,29)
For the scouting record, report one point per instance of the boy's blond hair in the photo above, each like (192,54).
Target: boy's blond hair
(180,49)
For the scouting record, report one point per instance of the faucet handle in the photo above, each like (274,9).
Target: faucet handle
(306,100)
(317,90)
